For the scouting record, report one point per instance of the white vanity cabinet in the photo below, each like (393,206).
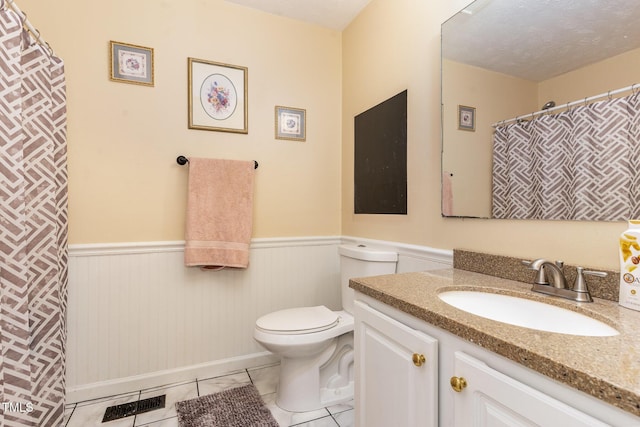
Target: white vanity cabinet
(396,372)
(484,397)
(493,391)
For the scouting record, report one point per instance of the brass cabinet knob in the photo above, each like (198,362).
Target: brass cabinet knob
(418,359)
(458,383)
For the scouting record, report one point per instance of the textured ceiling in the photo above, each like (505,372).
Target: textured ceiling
(334,14)
(531,39)
(539,39)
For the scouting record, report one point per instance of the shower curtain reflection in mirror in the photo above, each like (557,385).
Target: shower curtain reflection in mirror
(581,164)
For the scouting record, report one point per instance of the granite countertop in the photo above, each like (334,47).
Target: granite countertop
(607,368)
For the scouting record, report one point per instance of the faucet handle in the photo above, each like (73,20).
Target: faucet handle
(580,284)
(595,273)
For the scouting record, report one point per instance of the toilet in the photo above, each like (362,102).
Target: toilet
(315,344)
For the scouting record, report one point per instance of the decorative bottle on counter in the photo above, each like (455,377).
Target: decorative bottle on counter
(630,266)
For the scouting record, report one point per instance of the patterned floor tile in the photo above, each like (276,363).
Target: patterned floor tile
(213,385)
(169,422)
(346,418)
(90,413)
(265,378)
(321,422)
(174,393)
(342,407)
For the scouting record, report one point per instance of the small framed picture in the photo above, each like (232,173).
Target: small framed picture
(466,118)
(130,63)
(217,96)
(291,123)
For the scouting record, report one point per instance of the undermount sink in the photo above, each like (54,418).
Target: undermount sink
(526,313)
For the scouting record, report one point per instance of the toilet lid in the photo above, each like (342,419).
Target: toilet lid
(301,320)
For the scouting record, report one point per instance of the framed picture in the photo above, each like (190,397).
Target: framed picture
(217,96)
(130,63)
(466,118)
(291,123)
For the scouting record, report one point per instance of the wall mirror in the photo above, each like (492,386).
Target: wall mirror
(503,59)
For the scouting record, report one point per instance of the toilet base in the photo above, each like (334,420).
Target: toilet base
(314,383)
(326,397)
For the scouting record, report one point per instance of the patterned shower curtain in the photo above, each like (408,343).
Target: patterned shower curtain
(581,164)
(33,229)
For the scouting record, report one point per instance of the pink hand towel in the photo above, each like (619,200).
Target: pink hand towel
(219,213)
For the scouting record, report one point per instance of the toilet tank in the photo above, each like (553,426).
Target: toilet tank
(362,261)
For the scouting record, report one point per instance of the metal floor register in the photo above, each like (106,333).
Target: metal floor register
(133,408)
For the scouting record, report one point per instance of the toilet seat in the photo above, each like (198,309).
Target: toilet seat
(300,320)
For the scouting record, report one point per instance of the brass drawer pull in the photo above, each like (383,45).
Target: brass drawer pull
(418,359)
(458,383)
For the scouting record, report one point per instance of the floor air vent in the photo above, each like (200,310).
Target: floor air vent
(133,408)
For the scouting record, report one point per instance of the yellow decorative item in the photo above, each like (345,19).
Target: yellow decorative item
(629,260)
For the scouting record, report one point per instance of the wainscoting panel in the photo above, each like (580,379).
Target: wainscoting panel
(135,309)
(138,318)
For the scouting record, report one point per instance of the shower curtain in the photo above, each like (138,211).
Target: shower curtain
(33,229)
(581,164)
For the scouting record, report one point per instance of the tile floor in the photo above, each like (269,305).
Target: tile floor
(265,378)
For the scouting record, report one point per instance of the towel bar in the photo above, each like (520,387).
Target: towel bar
(182,160)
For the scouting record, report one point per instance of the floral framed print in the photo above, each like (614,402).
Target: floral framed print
(217,96)
(130,63)
(466,118)
(291,123)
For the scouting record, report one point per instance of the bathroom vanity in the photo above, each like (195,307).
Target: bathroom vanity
(423,362)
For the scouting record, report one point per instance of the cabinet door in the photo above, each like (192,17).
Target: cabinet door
(492,399)
(392,389)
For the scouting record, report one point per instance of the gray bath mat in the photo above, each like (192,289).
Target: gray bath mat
(235,407)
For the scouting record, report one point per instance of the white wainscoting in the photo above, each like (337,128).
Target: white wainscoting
(138,318)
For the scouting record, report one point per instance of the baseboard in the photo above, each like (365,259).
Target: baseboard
(160,378)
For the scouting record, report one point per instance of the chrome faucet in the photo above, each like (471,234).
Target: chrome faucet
(553,272)
(548,270)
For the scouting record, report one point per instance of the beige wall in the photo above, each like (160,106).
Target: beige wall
(467,156)
(123,139)
(395,45)
(125,185)
(611,74)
